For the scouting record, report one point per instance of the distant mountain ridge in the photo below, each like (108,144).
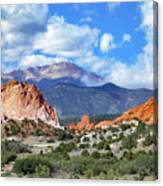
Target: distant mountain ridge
(71,100)
(75,92)
(145,112)
(63,72)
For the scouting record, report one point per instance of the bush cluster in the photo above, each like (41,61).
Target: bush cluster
(34,166)
(10,149)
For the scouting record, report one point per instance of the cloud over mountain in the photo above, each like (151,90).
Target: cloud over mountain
(39,34)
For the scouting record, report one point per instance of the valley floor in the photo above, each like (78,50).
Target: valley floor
(123,152)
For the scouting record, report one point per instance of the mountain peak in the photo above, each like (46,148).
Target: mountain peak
(111,86)
(54,72)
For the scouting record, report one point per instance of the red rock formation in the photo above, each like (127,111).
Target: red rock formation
(83,126)
(146,112)
(23,100)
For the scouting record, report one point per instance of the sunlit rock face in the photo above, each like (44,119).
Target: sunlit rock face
(146,112)
(83,126)
(23,100)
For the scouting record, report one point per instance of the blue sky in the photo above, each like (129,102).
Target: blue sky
(113,40)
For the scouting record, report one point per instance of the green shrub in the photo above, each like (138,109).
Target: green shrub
(11,127)
(101,137)
(141,129)
(77,139)
(30,166)
(15,129)
(78,164)
(125,126)
(13,146)
(129,142)
(58,156)
(39,132)
(84,145)
(121,136)
(6,174)
(95,154)
(42,171)
(114,129)
(9,150)
(85,153)
(7,157)
(88,173)
(128,155)
(96,170)
(86,139)
(94,145)
(149,140)
(62,134)
(106,146)
(65,147)
(107,155)
(100,145)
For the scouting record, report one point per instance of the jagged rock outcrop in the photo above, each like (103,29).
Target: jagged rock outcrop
(83,126)
(24,100)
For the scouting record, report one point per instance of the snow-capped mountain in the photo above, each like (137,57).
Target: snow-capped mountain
(63,72)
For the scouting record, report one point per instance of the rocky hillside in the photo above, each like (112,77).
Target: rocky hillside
(23,100)
(146,112)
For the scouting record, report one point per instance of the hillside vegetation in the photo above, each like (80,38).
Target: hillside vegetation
(124,152)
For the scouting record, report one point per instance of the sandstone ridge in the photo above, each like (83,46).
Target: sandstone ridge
(146,112)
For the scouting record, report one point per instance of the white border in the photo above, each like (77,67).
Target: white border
(43,182)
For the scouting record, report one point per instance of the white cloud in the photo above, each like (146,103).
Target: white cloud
(24,14)
(87,19)
(66,39)
(126,37)
(113,5)
(107,42)
(20,24)
(57,37)
(139,74)
(39,60)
